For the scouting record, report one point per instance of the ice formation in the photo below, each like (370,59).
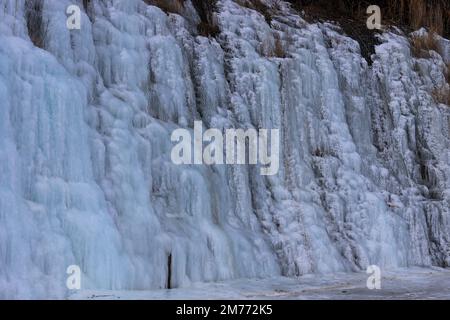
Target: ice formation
(86,176)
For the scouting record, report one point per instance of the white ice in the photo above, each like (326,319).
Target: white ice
(86,177)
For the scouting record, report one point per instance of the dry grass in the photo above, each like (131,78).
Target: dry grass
(421,45)
(407,14)
(422,14)
(442,95)
(168,6)
(278,50)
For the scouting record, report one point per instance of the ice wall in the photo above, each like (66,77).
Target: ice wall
(86,177)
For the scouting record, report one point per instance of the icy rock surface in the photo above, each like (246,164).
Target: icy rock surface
(86,177)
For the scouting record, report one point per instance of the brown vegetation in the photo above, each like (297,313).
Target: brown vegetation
(407,14)
(168,6)
(422,44)
(442,95)
(277,51)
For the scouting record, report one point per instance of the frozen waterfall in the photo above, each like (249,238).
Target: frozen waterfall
(85,171)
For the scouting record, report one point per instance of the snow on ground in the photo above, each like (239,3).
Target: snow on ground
(415,283)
